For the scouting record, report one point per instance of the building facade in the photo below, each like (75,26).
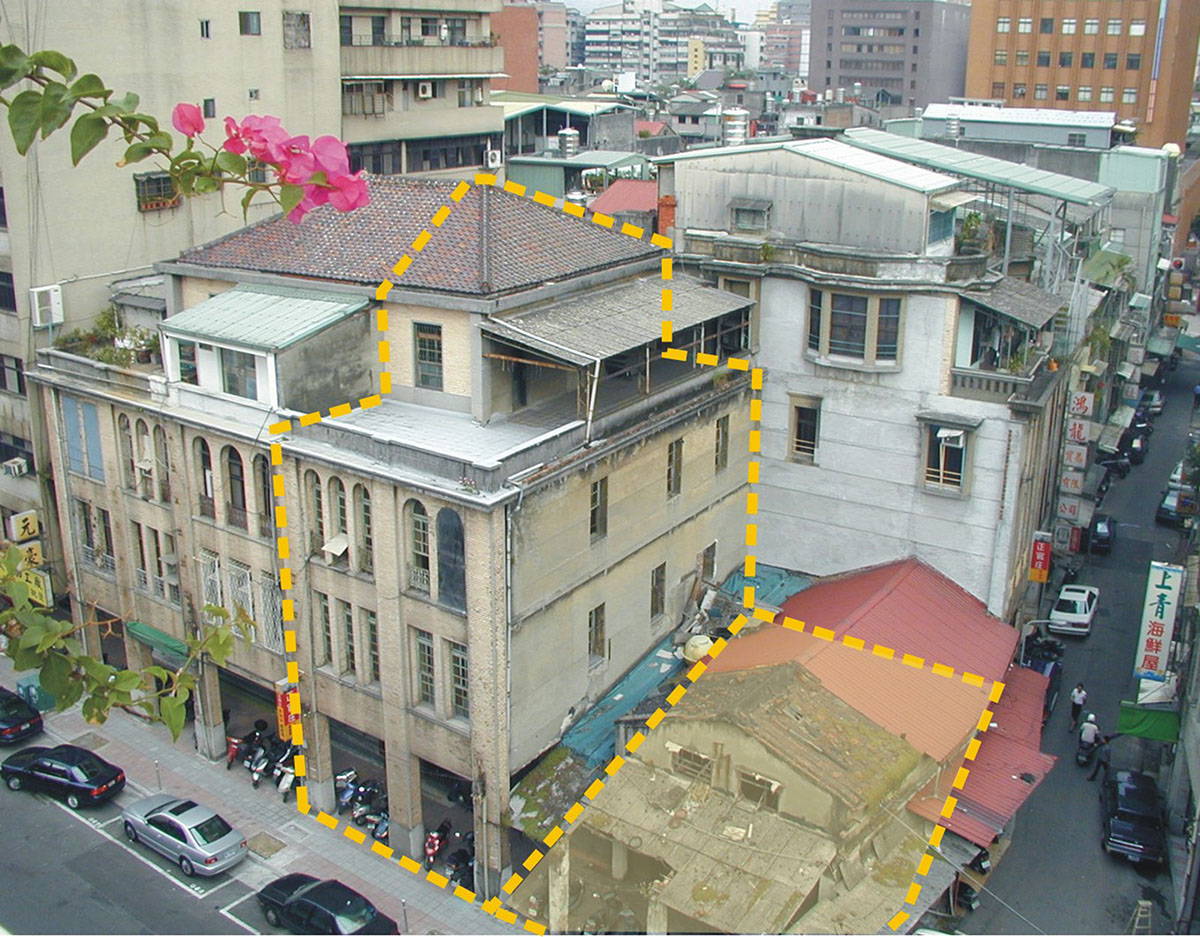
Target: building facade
(1073,54)
(903,53)
(890,428)
(467,553)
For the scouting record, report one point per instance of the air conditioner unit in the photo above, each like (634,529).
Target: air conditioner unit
(46,305)
(424,89)
(16,467)
(493,159)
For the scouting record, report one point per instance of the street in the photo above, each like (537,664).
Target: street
(67,872)
(1055,878)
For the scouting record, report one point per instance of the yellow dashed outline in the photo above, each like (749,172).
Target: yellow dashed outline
(493,906)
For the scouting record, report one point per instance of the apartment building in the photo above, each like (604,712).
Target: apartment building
(898,421)
(651,37)
(904,53)
(407,88)
(474,559)
(1135,58)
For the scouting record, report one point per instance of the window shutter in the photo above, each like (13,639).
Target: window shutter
(70,413)
(91,430)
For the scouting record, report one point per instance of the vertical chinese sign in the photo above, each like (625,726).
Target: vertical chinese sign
(1163,591)
(1039,564)
(23,530)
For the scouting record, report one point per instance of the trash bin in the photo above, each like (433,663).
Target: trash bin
(29,688)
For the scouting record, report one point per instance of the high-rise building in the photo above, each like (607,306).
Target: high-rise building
(1137,59)
(903,53)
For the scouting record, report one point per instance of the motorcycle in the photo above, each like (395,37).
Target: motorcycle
(239,748)
(1119,467)
(380,832)
(287,780)
(436,841)
(1086,751)
(281,763)
(266,758)
(354,795)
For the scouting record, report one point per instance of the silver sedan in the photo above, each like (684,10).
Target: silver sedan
(195,837)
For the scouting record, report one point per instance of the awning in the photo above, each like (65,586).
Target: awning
(1162,342)
(613,320)
(753,204)
(1150,367)
(1092,481)
(171,648)
(1110,436)
(1125,371)
(1096,367)
(948,200)
(1140,301)
(1148,722)
(1121,331)
(1018,300)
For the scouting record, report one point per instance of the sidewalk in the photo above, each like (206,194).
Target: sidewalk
(287,841)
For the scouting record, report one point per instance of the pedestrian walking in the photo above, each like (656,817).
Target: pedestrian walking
(1196,396)
(1103,756)
(1078,698)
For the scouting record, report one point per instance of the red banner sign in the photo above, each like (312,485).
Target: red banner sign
(1039,566)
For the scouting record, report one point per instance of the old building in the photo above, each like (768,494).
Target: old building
(476,556)
(1071,53)
(795,785)
(914,406)
(902,53)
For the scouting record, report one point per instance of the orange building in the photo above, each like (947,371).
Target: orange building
(1103,55)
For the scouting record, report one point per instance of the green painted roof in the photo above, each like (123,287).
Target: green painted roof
(972,165)
(262,317)
(1103,266)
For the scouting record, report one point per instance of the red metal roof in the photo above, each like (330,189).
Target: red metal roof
(913,609)
(627,195)
(1007,769)
(653,127)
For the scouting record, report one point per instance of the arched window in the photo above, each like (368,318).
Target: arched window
(451,561)
(205,471)
(145,461)
(366,542)
(337,505)
(162,464)
(266,495)
(418,557)
(316,511)
(128,471)
(235,474)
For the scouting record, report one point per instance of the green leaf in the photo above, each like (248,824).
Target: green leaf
(89,86)
(231,162)
(172,711)
(246,200)
(86,133)
(136,152)
(126,103)
(157,673)
(96,671)
(160,140)
(25,658)
(31,637)
(56,62)
(56,108)
(13,65)
(149,121)
(206,184)
(71,696)
(24,119)
(56,674)
(126,681)
(95,707)
(18,591)
(289,197)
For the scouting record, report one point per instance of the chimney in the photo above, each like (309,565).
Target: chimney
(666,213)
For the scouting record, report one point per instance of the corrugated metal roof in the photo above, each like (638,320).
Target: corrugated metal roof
(1019,300)
(262,316)
(875,165)
(585,158)
(1022,115)
(608,321)
(973,165)
(627,195)
(1007,769)
(516,103)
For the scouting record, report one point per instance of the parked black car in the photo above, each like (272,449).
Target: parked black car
(1102,533)
(1139,446)
(1177,508)
(1134,826)
(306,905)
(76,775)
(18,720)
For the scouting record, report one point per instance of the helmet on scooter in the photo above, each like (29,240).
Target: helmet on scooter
(1091,717)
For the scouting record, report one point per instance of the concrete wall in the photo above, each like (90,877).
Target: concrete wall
(811,200)
(516,28)
(334,366)
(560,574)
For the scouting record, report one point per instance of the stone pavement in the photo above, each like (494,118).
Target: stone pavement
(287,841)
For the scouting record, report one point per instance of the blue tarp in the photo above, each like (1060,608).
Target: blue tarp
(593,738)
(773,585)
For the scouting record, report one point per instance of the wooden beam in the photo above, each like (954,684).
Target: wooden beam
(536,364)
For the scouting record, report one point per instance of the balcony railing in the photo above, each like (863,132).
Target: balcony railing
(993,386)
(418,579)
(207,507)
(384,61)
(101,561)
(266,525)
(236,517)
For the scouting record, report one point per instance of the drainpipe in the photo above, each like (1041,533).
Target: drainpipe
(591,410)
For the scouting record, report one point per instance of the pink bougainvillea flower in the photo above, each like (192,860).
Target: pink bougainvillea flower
(296,162)
(331,156)
(187,119)
(349,192)
(263,137)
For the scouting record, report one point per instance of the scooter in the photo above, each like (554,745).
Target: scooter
(353,795)
(279,764)
(435,841)
(342,780)
(240,748)
(1119,467)
(287,780)
(380,832)
(1086,751)
(262,764)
